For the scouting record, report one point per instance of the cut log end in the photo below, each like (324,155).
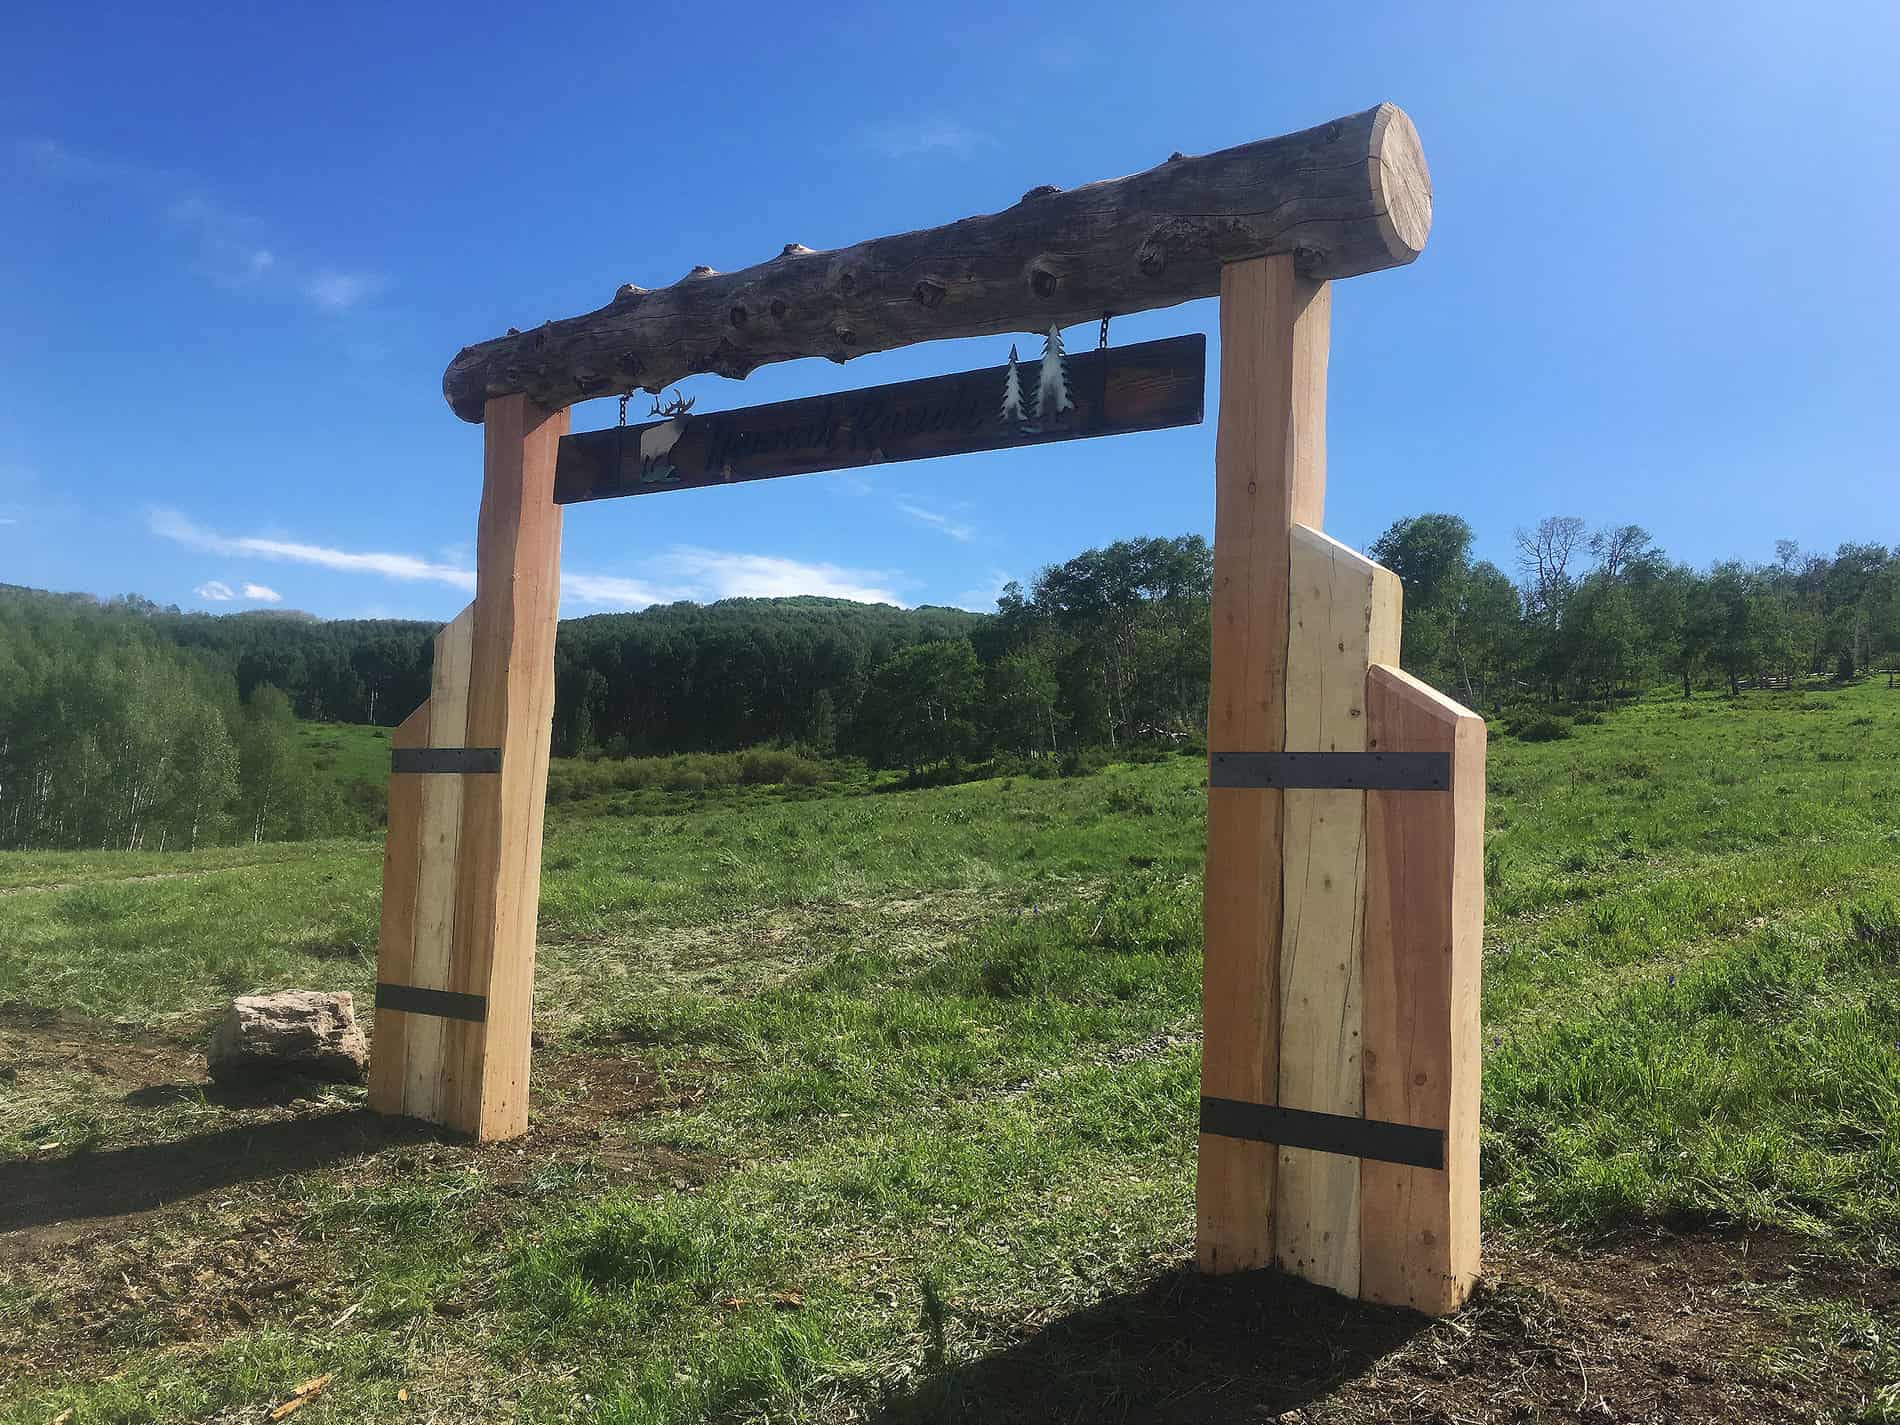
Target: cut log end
(1401,182)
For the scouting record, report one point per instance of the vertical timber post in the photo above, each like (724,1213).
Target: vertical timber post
(510,707)
(1423,958)
(1342,616)
(1269,475)
(462,865)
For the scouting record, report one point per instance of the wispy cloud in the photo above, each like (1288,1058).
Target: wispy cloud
(983,599)
(262,594)
(229,247)
(942,523)
(683,572)
(216,591)
(764,576)
(170,524)
(933,134)
(335,291)
(612,591)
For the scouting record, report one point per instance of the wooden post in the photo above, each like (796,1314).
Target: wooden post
(462,869)
(510,707)
(396,942)
(1269,474)
(1423,957)
(1343,616)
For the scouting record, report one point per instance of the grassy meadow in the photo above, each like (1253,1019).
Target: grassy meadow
(867,1103)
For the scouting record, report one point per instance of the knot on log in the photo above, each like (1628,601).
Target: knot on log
(702,271)
(796,249)
(627,292)
(1043,283)
(929,293)
(1041,190)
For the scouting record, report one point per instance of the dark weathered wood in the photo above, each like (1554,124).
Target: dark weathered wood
(1344,198)
(1127,388)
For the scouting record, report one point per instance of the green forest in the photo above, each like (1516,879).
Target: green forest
(128,725)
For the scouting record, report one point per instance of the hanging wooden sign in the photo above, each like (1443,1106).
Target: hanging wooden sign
(1112,391)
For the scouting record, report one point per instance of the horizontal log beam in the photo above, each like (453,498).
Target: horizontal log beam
(1345,198)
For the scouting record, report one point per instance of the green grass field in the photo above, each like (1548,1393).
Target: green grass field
(879,1104)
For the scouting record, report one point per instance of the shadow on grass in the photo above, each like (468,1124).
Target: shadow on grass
(1184,1348)
(40,1192)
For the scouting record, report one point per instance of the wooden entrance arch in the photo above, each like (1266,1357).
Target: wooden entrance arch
(1344,888)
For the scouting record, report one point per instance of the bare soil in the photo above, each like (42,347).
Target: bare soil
(156,1235)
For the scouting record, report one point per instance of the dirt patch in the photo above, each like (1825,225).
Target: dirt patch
(1643,1332)
(189,1213)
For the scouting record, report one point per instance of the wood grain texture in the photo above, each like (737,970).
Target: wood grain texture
(396,939)
(1269,474)
(1148,386)
(1342,198)
(1343,616)
(510,706)
(440,836)
(1423,956)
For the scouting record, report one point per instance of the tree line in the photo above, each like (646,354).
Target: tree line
(126,724)
(114,737)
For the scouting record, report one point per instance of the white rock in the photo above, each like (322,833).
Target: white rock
(290,1032)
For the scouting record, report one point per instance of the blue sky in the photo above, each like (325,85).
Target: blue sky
(239,244)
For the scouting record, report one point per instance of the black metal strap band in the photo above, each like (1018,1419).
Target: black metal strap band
(445,759)
(1324,1132)
(1332,771)
(443,1004)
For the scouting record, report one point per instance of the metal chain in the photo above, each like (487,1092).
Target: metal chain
(623,410)
(1102,344)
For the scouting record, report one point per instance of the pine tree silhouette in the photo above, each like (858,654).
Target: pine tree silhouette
(1013,393)
(1052,390)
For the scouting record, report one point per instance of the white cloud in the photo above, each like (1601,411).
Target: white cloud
(934,134)
(688,572)
(983,599)
(612,591)
(943,524)
(764,576)
(215,590)
(169,524)
(262,594)
(334,291)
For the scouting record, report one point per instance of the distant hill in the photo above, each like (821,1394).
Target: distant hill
(674,677)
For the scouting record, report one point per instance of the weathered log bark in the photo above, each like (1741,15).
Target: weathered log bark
(1344,198)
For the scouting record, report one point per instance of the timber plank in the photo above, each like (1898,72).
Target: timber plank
(441,829)
(1147,386)
(1423,957)
(510,706)
(395,940)
(1269,474)
(1343,616)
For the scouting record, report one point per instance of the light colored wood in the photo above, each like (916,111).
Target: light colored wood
(510,706)
(1343,616)
(1423,956)
(435,880)
(396,940)
(1269,474)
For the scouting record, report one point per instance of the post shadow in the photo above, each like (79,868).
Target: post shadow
(1182,1348)
(39,1192)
